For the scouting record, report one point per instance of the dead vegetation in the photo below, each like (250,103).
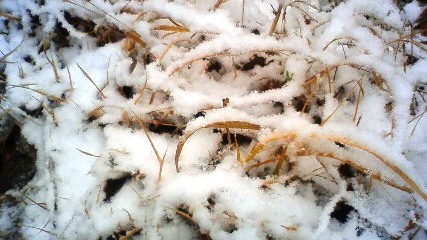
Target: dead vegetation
(274,157)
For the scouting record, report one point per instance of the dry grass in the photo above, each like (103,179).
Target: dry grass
(275,150)
(294,138)
(94,84)
(226,125)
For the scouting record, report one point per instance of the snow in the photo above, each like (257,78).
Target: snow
(99,172)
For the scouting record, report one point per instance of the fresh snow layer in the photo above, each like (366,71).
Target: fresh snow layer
(90,137)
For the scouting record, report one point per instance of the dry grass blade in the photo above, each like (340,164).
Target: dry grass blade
(88,153)
(169,28)
(184,215)
(52,62)
(228,124)
(136,37)
(303,152)
(161,166)
(407,179)
(359,96)
(315,77)
(235,124)
(280,160)
(41,229)
(130,233)
(219,3)
(34,202)
(106,13)
(3,59)
(189,218)
(96,113)
(82,6)
(90,79)
(339,105)
(141,92)
(141,124)
(276,19)
(259,147)
(68,71)
(329,81)
(224,52)
(48,96)
(337,39)
(8,113)
(238,155)
(416,123)
(290,228)
(257,164)
(170,45)
(10,17)
(379,81)
(357,166)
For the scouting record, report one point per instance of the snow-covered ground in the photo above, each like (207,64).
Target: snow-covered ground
(217,119)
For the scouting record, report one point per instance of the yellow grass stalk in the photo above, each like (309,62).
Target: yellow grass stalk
(90,79)
(227,124)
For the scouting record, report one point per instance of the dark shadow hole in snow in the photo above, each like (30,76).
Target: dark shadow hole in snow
(340,93)
(410,60)
(347,171)
(123,234)
(20,26)
(280,106)
(17,158)
(6,27)
(164,128)
(29,59)
(113,186)
(299,102)
(317,119)
(41,2)
(269,237)
(255,31)
(214,65)
(320,102)
(149,58)
(199,114)
(184,208)
(341,211)
(211,202)
(80,24)
(241,139)
(127,91)
(35,23)
(350,187)
(270,84)
(339,144)
(2,83)
(253,62)
(107,34)
(60,37)
(36,113)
